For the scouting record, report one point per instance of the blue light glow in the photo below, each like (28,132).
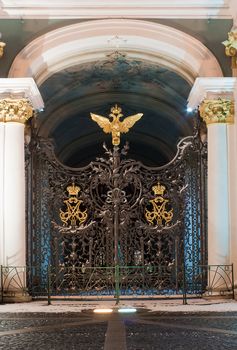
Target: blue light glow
(127,310)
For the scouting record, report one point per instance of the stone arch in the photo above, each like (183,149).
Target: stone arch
(89,41)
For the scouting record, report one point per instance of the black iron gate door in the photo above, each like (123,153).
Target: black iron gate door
(115,226)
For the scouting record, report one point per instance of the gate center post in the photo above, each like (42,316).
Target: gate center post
(116,207)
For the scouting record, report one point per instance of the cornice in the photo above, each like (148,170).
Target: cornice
(17,88)
(211,87)
(117,9)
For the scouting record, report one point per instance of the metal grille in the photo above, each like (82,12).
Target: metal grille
(148,223)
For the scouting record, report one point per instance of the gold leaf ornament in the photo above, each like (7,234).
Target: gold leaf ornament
(116,127)
(159,214)
(73,215)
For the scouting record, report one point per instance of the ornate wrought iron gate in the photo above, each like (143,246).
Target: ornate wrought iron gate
(116,224)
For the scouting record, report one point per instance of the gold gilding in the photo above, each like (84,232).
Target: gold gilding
(2,45)
(116,127)
(73,215)
(15,110)
(217,111)
(159,214)
(231,47)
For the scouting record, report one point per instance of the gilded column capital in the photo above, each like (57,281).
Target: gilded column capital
(217,111)
(15,110)
(231,47)
(2,45)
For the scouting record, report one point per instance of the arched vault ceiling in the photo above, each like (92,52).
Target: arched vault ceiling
(70,96)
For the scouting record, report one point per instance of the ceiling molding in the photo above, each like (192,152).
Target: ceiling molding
(116,9)
(91,41)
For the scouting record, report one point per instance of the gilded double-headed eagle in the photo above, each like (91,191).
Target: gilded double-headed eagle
(116,127)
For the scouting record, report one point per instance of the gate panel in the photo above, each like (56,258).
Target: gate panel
(144,224)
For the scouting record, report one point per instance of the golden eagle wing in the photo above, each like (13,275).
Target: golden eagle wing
(128,122)
(103,122)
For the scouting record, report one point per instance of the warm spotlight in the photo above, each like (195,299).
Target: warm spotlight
(102,311)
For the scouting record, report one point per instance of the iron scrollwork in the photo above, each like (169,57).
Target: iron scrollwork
(152,234)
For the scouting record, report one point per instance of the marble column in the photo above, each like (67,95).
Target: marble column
(14,113)
(215,98)
(18,100)
(218,113)
(2,161)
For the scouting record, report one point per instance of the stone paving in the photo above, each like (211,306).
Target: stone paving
(141,330)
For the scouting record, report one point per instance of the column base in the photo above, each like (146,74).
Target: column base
(16,297)
(218,294)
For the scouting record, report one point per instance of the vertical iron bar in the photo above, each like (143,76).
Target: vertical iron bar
(208,268)
(203,206)
(2,284)
(176,265)
(117,283)
(116,199)
(184,286)
(90,251)
(116,258)
(233,282)
(116,224)
(49,285)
